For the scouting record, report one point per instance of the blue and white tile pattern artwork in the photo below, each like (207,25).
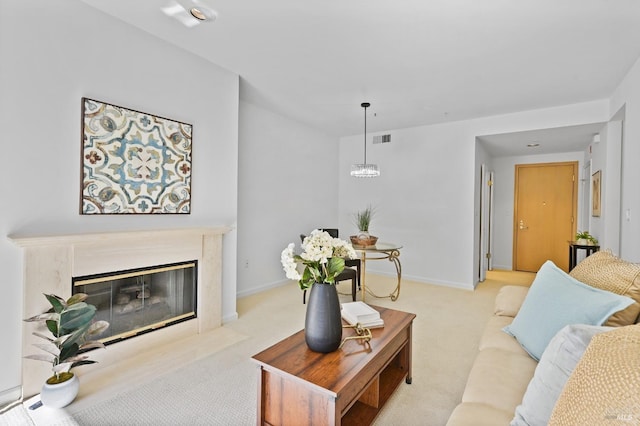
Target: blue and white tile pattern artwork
(134,162)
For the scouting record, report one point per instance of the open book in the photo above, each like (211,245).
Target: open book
(360,312)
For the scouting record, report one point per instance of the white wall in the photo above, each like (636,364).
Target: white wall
(627,96)
(503,184)
(288,185)
(426,195)
(606,157)
(52,56)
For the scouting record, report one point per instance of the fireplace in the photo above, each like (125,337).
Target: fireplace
(52,263)
(137,301)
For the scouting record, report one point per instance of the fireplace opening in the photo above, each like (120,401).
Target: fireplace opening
(138,301)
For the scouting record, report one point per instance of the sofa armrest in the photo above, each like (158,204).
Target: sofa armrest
(509,300)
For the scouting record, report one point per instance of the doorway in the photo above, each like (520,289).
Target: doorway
(545,205)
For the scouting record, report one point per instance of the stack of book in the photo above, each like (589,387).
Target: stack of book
(361,313)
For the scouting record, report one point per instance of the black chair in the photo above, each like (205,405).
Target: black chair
(347,274)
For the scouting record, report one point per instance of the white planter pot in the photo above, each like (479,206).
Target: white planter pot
(61,394)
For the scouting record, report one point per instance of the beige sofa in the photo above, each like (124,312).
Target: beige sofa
(502,369)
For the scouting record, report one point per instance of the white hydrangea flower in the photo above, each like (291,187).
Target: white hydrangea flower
(317,249)
(289,264)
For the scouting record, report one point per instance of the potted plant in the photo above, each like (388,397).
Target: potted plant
(72,329)
(323,259)
(585,238)
(363,220)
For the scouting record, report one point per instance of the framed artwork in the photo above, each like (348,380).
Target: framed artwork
(596,185)
(133,162)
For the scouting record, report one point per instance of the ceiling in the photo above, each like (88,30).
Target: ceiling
(418,62)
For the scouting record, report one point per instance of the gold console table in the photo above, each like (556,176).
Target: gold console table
(380,251)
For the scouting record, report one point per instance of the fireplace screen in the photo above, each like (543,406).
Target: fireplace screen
(141,300)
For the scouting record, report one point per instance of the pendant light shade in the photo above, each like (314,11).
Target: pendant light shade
(364,169)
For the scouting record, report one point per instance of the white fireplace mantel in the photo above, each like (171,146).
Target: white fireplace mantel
(51,261)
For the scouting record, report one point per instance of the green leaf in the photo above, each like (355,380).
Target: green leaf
(335,266)
(307,279)
(77,306)
(84,362)
(77,298)
(77,335)
(57,302)
(52,325)
(76,318)
(68,351)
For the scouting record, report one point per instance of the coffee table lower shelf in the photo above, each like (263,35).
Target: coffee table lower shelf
(364,412)
(347,387)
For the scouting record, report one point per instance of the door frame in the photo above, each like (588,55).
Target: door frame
(486,223)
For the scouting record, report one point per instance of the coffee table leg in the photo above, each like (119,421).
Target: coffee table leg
(363,273)
(409,350)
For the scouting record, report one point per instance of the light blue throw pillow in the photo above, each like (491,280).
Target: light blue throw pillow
(556,365)
(556,299)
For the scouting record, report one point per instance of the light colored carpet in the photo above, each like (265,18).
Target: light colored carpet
(221,389)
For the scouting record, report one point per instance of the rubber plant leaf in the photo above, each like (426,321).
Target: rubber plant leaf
(97,327)
(57,303)
(67,352)
(42,357)
(77,298)
(52,325)
(48,347)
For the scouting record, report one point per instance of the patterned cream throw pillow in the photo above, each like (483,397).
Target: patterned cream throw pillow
(604,388)
(605,271)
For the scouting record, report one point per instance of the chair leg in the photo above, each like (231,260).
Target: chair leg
(353,289)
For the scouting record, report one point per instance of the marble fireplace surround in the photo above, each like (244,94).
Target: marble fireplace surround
(49,263)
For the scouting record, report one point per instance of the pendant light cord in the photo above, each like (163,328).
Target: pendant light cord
(365,105)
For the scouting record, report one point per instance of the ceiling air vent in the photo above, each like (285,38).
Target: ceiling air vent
(382,139)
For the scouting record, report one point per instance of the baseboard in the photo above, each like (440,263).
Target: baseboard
(10,397)
(452,284)
(502,267)
(262,288)
(230,318)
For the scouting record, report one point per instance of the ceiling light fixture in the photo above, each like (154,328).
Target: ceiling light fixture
(198,14)
(190,16)
(364,169)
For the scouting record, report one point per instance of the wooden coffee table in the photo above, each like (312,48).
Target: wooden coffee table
(349,386)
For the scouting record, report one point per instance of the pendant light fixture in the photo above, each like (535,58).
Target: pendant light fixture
(364,169)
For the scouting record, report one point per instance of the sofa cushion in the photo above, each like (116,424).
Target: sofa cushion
(556,299)
(608,272)
(499,378)
(605,385)
(509,299)
(556,365)
(494,337)
(478,414)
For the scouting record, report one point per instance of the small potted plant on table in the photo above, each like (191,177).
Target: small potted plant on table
(72,327)
(363,220)
(585,238)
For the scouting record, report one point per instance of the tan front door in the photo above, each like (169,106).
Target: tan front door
(544,212)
